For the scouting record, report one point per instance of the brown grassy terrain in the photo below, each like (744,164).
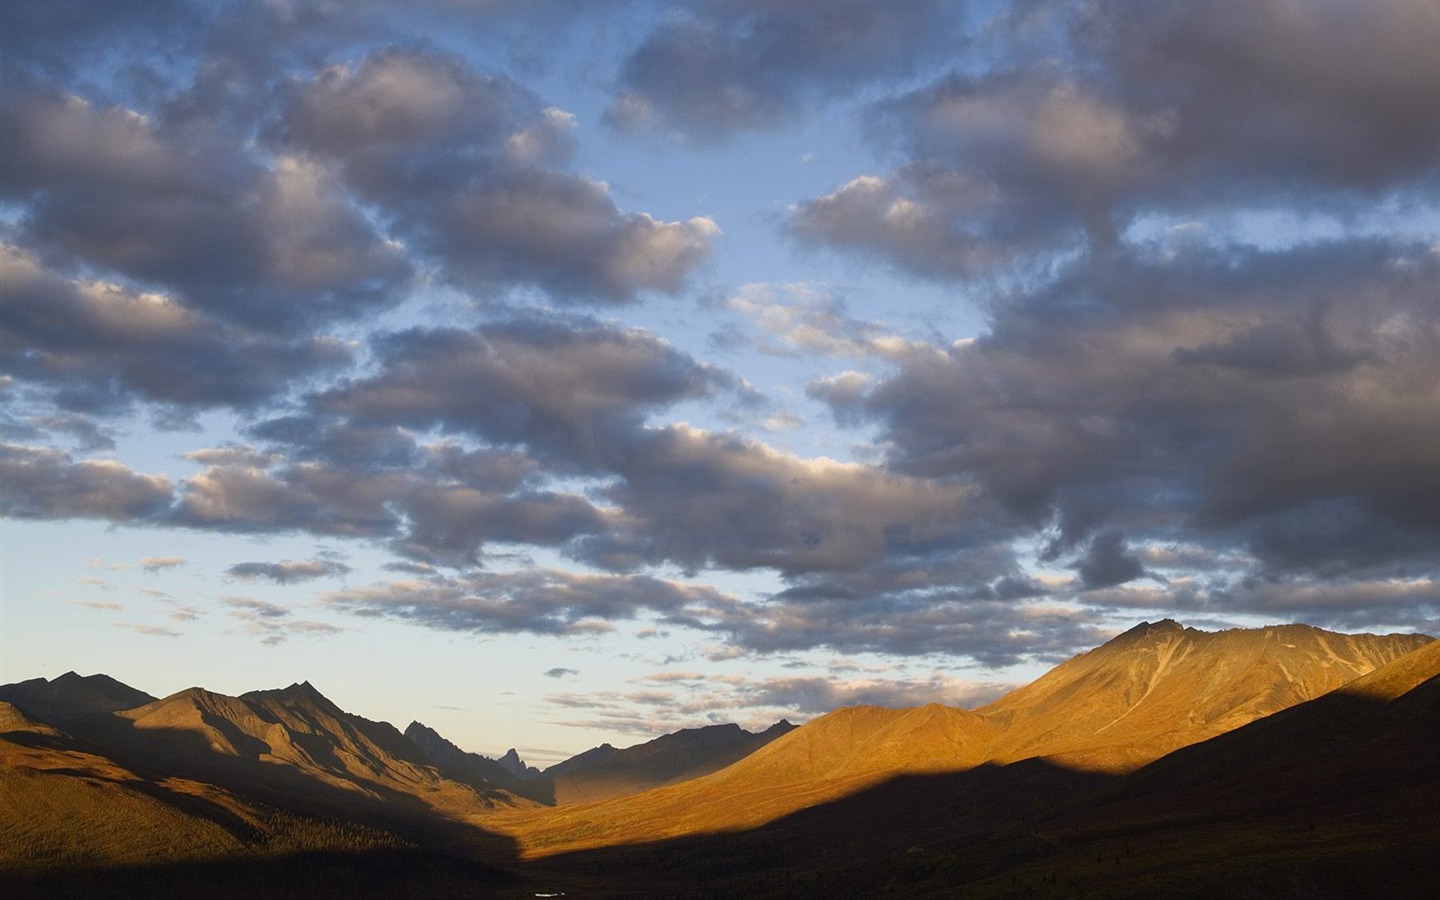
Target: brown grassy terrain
(282,794)
(1146,693)
(1331,798)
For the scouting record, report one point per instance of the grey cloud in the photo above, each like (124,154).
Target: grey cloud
(726,67)
(1108,562)
(467,165)
(95,345)
(560,672)
(43,483)
(701,499)
(538,601)
(52,36)
(269,247)
(89,436)
(572,392)
(425,515)
(1314,93)
(272,623)
(921,220)
(816,696)
(992,633)
(1139,108)
(1100,402)
(288,571)
(1349,603)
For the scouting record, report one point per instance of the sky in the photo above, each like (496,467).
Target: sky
(561,372)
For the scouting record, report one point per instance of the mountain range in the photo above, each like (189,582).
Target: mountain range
(1183,760)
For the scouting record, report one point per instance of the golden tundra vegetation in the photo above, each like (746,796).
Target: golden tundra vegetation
(1278,762)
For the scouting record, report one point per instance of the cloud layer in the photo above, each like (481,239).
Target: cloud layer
(1204,244)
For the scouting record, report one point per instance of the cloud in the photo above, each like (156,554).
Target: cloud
(757,703)
(157,563)
(918,219)
(288,571)
(993,633)
(104,605)
(1108,562)
(1132,109)
(269,244)
(44,483)
(465,164)
(152,630)
(728,67)
(96,345)
(559,672)
(702,499)
(569,392)
(89,437)
(274,623)
(537,601)
(440,511)
(802,319)
(1269,404)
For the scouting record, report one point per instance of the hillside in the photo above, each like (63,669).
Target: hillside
(71,699)
(473,769)
(1330,798)
(62,804)
(1148,691)
(1301,759)
(1162,686)
(680,756)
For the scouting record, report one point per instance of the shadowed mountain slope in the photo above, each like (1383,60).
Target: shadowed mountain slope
(602,771)
(197,778)
(65,805)
(72,699)
(671,758)
(474,769)
(1146,692)
(292,739)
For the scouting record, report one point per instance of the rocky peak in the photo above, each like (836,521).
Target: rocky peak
(513,764)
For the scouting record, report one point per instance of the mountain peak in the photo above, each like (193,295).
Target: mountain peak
(297,692)
(1164,626)
(516,766)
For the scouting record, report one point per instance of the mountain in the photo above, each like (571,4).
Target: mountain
(1277,762)
(64,804)
(1148,691)
(681,756)
(601,771)
(512,763)
(72,699)
(1161,686)
(294,740)
(474,769)
(581,760)
(1331,798)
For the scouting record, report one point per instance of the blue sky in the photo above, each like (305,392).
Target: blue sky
(559,372)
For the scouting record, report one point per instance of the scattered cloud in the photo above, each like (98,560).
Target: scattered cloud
(159,563)
(723,68)
(288,571)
